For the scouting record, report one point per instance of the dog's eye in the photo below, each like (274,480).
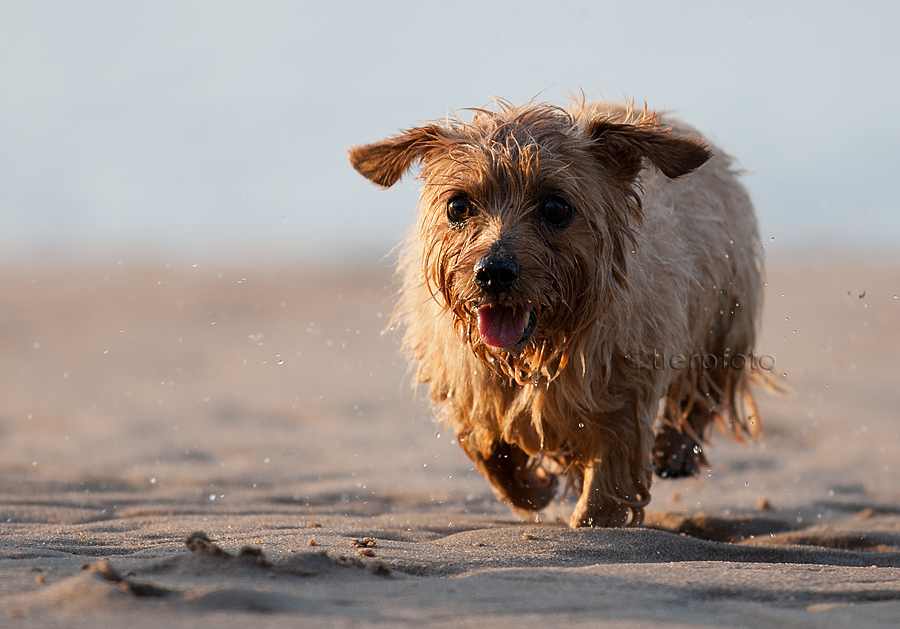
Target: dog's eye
(460,209)
(556,212)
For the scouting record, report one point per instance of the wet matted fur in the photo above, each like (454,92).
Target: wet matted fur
(563,260)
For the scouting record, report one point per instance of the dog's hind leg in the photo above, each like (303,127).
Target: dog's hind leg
(720,396)
(678,452)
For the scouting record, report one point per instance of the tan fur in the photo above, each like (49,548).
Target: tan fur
(661,257)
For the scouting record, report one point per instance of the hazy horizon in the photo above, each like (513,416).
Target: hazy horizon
(210,129)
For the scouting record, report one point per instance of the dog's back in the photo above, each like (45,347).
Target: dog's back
(701,232)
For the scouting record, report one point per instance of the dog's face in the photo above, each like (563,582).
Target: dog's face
(526,219)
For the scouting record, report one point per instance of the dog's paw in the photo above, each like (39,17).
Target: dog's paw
(608,514)
(517,478)
(676,454)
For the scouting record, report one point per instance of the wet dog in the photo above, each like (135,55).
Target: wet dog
(577,291)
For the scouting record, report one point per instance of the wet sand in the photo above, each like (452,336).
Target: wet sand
(268,409)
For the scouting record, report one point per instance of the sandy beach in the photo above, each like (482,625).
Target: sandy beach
(241,446)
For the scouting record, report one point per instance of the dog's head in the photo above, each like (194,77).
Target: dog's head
(526,219)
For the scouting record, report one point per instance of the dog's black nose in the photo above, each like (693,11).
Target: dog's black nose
(495,273)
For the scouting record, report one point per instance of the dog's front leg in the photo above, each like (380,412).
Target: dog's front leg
(596,507)
(517,478)
(615,483)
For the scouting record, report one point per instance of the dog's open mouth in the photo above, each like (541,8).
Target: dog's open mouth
(505,327)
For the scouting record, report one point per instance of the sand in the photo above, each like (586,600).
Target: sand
(240,446)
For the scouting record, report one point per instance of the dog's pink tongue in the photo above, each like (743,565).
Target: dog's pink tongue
(501,326)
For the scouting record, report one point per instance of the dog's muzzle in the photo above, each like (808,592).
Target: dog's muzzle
(495,273)
(501,326)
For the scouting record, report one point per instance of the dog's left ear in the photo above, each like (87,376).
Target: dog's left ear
(624,146)
(386,161)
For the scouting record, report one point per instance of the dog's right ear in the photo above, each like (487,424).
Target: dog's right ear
(385,162)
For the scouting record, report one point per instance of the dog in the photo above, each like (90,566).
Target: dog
(570,275)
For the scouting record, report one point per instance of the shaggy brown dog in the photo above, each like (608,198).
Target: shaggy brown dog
(572,279)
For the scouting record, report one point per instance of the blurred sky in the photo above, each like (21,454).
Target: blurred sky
(217,130)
